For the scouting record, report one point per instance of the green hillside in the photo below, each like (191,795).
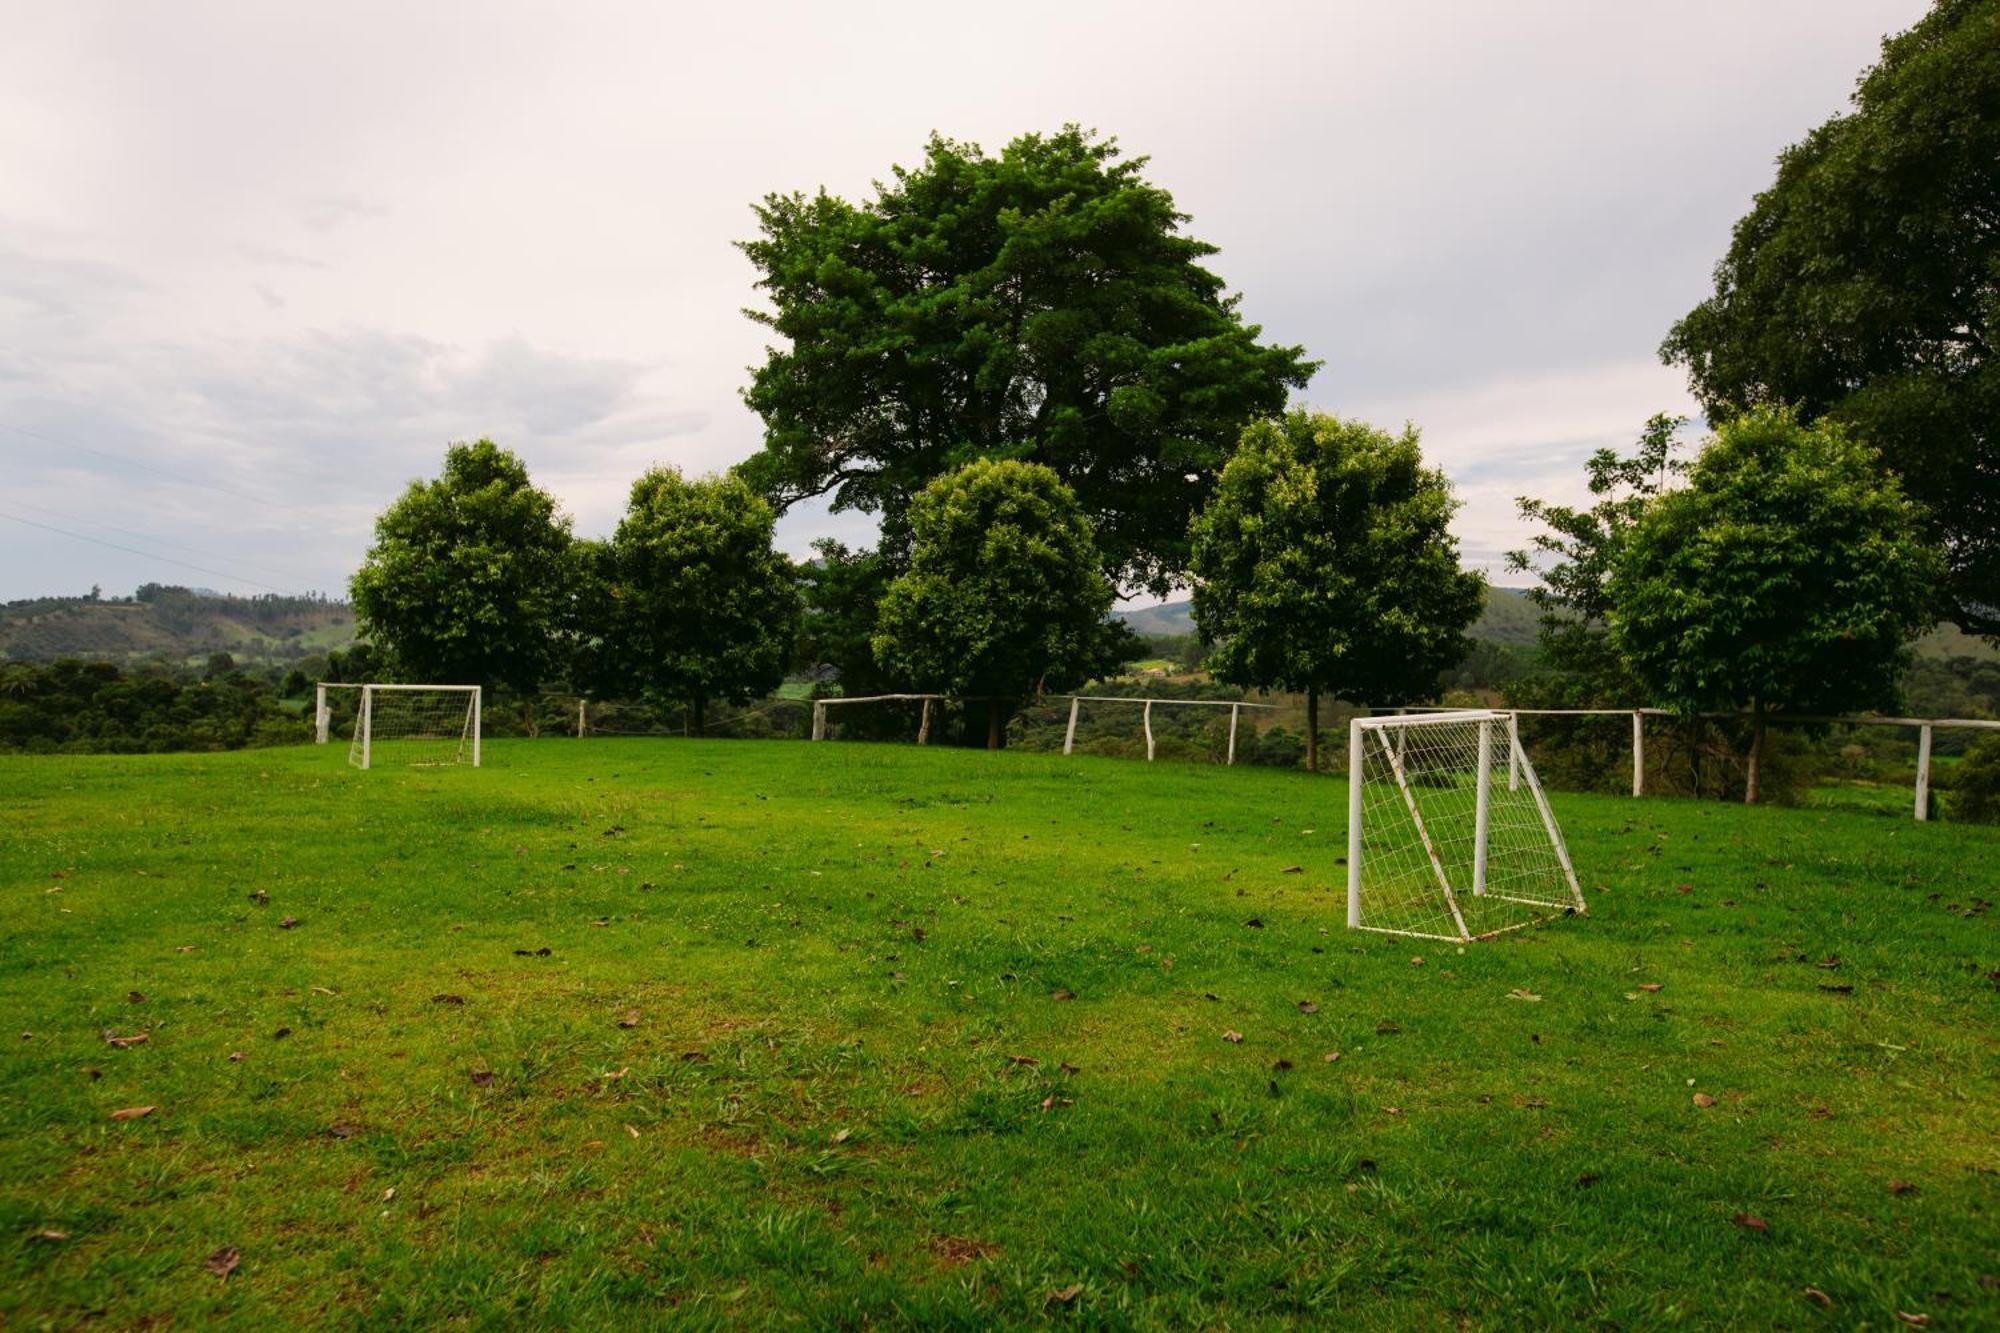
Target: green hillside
(1509,618)
(177,624)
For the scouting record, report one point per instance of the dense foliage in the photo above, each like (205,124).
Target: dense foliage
(96,708)
(471,579)
(1003,596)
(1865,285)
(1326,565)
(1787,576)
(1043,303)
(698,607)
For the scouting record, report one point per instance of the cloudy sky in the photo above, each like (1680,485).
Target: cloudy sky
(259,263)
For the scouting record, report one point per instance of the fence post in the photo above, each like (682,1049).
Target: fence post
(478,698)
(1149,731)
(320,718)
(1638,753)
(924,723)
(1234,710)
(1069,736)
(819,720)
(367,723)
(582,719)
(1924,772)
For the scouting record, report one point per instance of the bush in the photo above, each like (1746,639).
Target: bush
(1973,791)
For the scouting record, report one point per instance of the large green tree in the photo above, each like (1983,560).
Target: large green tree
(1864,285)
(1003,594)
(1045,304)
(1788,576)
(470,580)
(1325,564)
(702,609)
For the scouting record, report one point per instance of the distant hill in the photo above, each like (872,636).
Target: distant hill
(1509,618)
(178,624)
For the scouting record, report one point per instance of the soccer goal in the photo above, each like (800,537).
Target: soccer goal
(1448,833)
(417,725)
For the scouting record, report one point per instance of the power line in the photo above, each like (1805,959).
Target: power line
(133,550)
(161,541)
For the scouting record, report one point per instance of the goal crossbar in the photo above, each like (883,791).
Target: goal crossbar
(1450,835)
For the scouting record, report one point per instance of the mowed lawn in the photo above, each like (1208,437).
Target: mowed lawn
(679,1032)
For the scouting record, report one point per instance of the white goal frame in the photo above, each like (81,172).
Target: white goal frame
(1386,738)
(364,716)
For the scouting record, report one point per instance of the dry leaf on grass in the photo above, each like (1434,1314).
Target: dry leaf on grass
(841,1135)
(1650,986)
(1064,1295)
(1331,1056)
(1232,1036)
(482,1078)
(50,1236)
(1308,1007)
(136,1039)
(1063,995)
(1913,1320)
(1901,1187)
(1750,1222)
(133,1112)
(1818,1297)
(631,1019)
(1703,1099)
(223,1262)
(1518,994)
(288,923)
(447,999)
(136,996)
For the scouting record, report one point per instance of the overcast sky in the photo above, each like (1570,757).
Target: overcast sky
(260,263)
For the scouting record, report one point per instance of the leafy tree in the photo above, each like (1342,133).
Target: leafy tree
(1788,576)
(702,608)
(1864,285)
(470,578)
(1003,596)
(843,589)
(1043,304)
(1573,561)
(1325,564)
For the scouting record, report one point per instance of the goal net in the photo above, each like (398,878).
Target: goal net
(416,725)
(1449,835)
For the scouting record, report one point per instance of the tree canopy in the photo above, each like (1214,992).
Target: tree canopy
(1043,304)
(699,607)
(469,580)
(1789,575)
(1325,564)
(1003,595)
(1864,284)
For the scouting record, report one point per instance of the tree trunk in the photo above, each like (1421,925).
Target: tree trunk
(1312,731)
(1752,775)
(698,714)
(996,731)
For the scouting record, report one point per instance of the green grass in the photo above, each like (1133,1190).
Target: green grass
(851,1093)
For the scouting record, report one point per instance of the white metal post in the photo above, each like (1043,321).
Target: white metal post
(1235,711)
(1354,763)
(367,723)
(1638,753)
(1149,731)
(319,715)
(1481,802)
(1513,752)
(1069,736)
(478,693)
(1924,772)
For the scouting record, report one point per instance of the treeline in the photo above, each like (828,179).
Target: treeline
(73,707)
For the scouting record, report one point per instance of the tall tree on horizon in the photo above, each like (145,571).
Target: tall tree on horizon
(1864,286)
(1043,304)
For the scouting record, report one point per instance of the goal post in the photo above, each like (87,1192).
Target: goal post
(416,725)
(1449,835)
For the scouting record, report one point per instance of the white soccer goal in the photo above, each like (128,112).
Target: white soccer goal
(1448,835)
(418,725)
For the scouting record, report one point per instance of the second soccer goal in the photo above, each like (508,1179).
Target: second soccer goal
(1448,833)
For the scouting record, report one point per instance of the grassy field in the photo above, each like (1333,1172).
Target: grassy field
(687,1032)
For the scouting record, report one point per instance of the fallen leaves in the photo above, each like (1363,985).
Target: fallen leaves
(1703,1099)
(1022,1060)
(1518,994)
(482,1078)
(1385,1028)
(631,1019)
(289,923)
(133,1112)
(1062,995)
(1651,987)
(223,1262)
(1308,1007)
(448,999)
(344,1130)
(123,1043)
(50,1236)
(136,997)
(840,1136)
(1751,1222)
(1913,1320)
(1331,1057)
(1232,1036)
(1901,1187)
(1065,1295)
(1818,1297)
